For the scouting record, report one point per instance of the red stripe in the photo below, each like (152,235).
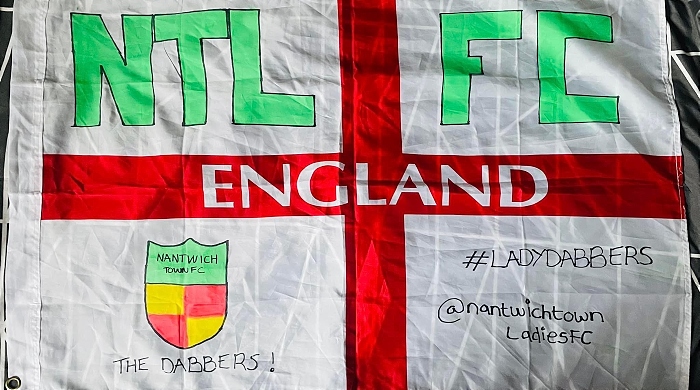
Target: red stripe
(628,185)
(205,300)
(379,234)
(171,328)
(163,187)
(348,90)
(160,187)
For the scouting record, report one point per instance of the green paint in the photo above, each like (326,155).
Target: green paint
(189,29)
(187,263)
(251,106)
(556,106)
(458,67)
(129,77)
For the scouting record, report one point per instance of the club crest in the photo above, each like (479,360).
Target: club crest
(186,291)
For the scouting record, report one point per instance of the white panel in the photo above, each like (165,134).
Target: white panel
(286,281)
(640,327)
(504,111)
(300,55)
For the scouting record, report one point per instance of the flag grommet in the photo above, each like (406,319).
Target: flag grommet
(13,383)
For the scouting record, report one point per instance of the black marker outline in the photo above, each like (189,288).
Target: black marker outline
(155,40)
(262,92)
(566,87)
(442,61)
(145,283)
(180,60)
(104,74)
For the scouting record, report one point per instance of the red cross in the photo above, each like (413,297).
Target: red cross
(126,188)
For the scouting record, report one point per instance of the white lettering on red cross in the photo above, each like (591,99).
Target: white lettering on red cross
(304,185)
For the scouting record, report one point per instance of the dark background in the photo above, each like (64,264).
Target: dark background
(684,21)
(5,33)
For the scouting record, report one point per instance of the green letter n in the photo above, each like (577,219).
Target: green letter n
(252,106)
(457,31)
(129,77)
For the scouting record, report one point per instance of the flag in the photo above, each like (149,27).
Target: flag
(345,195)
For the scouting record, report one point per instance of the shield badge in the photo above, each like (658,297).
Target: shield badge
(186,291)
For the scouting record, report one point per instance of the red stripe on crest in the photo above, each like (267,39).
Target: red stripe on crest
(172,328)
(205,300)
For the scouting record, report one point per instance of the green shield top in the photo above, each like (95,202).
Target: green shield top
(187,263)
